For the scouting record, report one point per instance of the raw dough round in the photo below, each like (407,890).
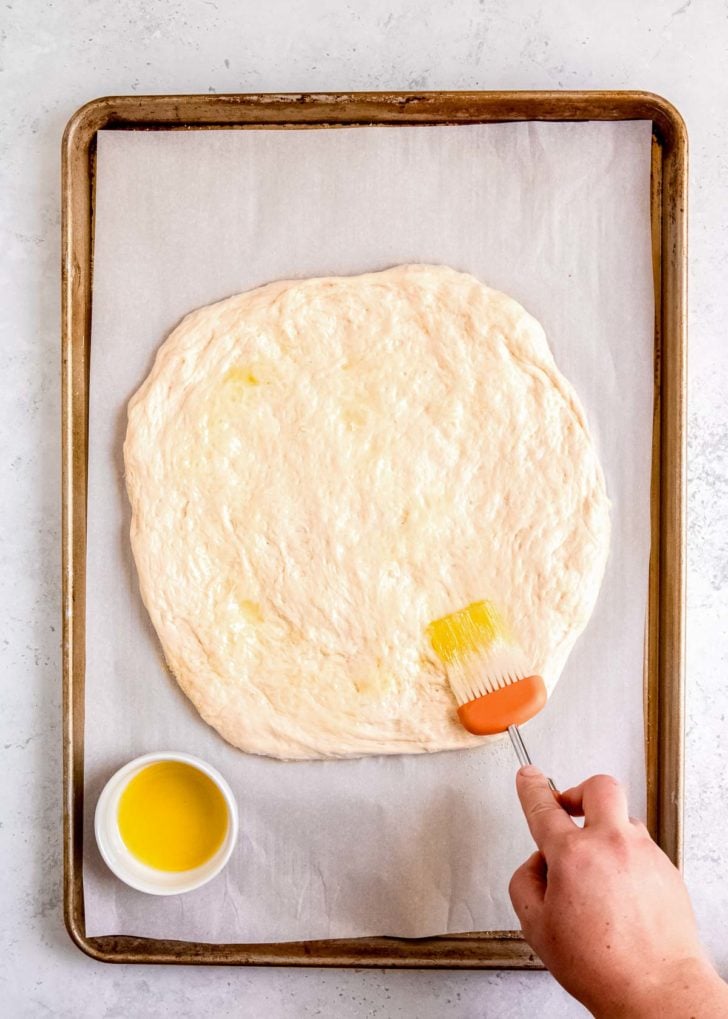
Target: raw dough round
(318,468)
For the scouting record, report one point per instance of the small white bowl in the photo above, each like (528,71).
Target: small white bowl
(131,870)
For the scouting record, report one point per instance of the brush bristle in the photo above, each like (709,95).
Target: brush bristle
(478,651)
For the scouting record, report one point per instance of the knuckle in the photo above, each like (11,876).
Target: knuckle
(605,783)
(617,838)
(619,843)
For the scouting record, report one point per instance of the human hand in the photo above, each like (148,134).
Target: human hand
(606,910)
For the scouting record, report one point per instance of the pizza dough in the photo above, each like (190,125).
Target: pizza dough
(318,468)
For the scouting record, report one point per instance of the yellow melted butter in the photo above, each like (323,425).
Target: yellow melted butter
(172,816)
(236,391)
(472,629)
(241,377)
(251,611)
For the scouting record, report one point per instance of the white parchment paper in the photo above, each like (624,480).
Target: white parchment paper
(557,215)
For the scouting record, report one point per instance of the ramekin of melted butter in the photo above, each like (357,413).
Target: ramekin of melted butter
(166,823)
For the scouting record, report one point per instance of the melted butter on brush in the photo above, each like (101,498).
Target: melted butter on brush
(478,651)
(470,630)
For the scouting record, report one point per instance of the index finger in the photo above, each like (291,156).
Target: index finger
(601,799)
(545,818)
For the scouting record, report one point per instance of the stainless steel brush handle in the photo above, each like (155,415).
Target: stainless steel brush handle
(522,754)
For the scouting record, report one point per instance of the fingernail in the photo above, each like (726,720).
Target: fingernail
(529,770)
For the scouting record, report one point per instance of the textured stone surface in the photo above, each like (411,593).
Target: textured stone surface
(57,55)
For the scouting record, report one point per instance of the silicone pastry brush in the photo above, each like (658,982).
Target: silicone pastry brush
(495,689)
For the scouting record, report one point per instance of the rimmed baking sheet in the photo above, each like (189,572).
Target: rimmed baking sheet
(206,156)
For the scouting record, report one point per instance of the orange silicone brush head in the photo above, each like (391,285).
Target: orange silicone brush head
(511,705)
(488,671)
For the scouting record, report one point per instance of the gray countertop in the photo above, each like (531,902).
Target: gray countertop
(55,56)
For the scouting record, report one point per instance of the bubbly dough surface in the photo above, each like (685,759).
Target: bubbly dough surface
(319,468)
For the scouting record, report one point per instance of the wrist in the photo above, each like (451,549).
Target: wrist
(682,987)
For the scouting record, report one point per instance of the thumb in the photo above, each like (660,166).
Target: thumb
(545,817)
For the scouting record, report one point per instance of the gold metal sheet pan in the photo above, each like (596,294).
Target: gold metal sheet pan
(664,652)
